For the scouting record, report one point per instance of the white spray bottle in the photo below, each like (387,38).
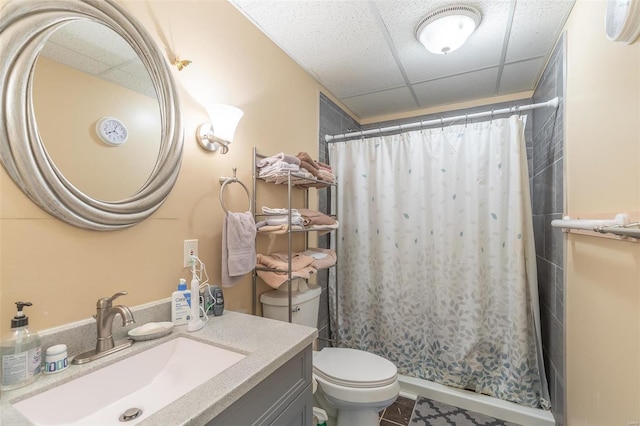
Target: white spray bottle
(195,323)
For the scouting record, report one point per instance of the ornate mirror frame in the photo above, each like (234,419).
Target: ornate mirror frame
(24,28)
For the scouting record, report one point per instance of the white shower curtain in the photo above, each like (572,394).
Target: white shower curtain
(437,264)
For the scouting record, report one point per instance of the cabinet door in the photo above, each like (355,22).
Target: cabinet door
(269,398)
(299,412)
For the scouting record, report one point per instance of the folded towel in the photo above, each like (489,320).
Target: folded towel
(303,156)
(280,262)
(309,167)
(278,157)
(279,167)
(271,210)
(275,221)
(313,217)
(276,279)
(278,229)
(322,258)
(238,247)
(323,229)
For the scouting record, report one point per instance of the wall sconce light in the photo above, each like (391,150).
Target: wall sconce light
(219,133)
(445,30)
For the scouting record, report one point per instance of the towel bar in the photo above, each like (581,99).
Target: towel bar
(619,226)
(227,180)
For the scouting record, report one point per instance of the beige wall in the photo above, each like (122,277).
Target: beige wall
(63,270)
(602,178)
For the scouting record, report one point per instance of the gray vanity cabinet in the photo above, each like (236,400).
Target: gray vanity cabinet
(284,398)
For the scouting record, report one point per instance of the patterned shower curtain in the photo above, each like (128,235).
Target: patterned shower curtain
(437,265)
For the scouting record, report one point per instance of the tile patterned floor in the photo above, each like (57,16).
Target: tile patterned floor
(398,413)
(426,412)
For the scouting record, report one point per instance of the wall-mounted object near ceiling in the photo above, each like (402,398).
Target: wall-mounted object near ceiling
(25,28)
(111,131)
(220,131)
(446,29)
(622,22)
(181,63)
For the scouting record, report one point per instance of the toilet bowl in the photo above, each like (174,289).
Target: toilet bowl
(353,385)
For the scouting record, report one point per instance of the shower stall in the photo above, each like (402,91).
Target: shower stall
(413,384)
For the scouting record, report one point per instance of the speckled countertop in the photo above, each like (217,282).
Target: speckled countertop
(266,343)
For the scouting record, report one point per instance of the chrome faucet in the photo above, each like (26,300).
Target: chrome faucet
(105,315)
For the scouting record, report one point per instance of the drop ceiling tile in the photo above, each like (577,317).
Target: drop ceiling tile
(381,103)
(483,49)
(124,79)
(337,41)
(136,69)
(359,47)
(520,76)
(72,59)
(536,26)
(94,40)
(469,86)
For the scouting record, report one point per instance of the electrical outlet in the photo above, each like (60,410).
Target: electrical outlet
(190,249)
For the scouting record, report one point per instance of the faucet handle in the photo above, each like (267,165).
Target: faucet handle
(105,302)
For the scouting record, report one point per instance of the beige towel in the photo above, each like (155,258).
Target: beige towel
(238,247)
(276,279)
(313,217)
(279,261)
(321,262)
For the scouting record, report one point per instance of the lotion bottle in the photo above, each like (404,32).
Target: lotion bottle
(181,304)
(20,352)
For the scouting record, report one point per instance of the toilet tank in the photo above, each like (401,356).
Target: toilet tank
(304,304)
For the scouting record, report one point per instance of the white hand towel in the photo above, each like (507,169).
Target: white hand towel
(238,247)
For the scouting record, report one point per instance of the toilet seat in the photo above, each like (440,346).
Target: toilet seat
(353,368)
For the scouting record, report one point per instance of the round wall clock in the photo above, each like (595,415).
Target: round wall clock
(622,21)
(111,131)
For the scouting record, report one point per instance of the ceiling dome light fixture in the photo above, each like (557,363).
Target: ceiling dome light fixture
(446,29)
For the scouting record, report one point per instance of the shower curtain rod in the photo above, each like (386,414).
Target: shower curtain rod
(514,109)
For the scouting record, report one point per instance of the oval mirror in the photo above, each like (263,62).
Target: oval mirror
(50,141)
(86,72)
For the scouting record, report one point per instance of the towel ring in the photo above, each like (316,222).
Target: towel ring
(226,180)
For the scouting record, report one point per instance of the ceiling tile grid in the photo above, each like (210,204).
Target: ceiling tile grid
(378,103)
(482,50)
(458,88)
(71,58)
(516,75)
(367,55)
(339,41)
(536,27)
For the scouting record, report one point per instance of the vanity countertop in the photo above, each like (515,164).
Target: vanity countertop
(267,344)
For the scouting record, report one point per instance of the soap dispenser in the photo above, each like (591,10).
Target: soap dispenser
(21,352)
(181,304)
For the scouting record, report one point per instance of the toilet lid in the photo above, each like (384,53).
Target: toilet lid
(353,368)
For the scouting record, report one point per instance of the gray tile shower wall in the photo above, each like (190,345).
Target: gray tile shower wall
(546,174)
(333,121)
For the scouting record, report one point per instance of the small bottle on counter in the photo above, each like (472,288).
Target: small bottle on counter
(181,304)
(20,353)
(56,359)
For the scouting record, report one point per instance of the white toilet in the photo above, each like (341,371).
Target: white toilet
(354,386)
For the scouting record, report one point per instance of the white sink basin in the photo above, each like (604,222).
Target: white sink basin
(148,381)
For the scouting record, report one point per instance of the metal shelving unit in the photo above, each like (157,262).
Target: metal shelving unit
(290,232)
